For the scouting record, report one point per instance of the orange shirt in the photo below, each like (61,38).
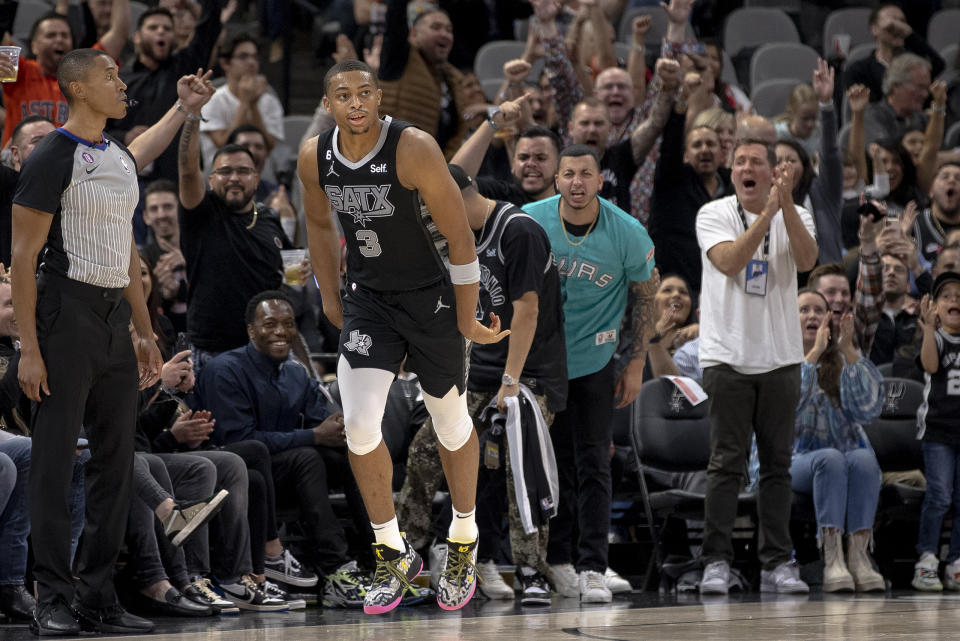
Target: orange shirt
(34,92)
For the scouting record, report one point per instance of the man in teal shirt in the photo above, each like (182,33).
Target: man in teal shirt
(601,253)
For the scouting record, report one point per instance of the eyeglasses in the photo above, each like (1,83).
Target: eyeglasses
(226,172)
(244,56)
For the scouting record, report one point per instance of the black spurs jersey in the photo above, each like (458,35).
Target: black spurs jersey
(937,417)
(392,241)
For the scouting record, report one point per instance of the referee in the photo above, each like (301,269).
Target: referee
(74,201)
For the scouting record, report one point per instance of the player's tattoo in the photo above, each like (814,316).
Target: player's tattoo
(642,313)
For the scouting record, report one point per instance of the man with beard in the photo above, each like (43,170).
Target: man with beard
(943,216)
(893,36)
(898,324)
(232,247)
(152,78)
(601,253)
(35,91)
(419,85)
(683,183)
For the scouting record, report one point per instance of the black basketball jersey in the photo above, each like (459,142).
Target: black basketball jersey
(514,255)
(392,241)
(937,417)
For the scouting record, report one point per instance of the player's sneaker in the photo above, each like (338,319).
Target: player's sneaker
(287,569)
(925,576)
(458,577)
(346,587)
(395,570)
(951,576)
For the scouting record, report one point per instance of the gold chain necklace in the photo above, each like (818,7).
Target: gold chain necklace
(254,221)
(563,228)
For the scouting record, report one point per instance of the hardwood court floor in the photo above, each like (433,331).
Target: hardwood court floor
(901,615)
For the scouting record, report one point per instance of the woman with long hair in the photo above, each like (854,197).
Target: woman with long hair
(832,457)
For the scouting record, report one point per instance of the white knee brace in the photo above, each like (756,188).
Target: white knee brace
(451,420)
(363,393)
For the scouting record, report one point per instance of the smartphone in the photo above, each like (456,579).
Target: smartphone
(182,344)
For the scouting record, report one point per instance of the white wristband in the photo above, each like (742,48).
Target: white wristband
(465,274)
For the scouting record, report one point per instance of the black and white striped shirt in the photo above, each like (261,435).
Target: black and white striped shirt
(91,191)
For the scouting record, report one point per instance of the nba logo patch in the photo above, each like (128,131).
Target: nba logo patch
(87,157)
(123,161)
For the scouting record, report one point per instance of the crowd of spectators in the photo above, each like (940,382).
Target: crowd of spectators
(795,261)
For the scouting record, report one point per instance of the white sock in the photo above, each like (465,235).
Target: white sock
(463,528)
(389,534)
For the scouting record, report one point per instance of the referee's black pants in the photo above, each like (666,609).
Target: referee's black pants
(92,375)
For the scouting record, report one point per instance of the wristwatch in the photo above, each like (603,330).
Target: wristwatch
(491,112)
(508,380)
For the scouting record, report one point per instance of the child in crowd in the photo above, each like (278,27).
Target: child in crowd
(801,120)
(937,426)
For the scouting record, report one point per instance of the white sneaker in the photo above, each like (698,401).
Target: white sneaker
(593,588)
(564,580)
(783,579)
(716,578)
(616,583)
(491,582)
(925,576)
(951,576)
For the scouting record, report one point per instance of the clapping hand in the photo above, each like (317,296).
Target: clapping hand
(928,312)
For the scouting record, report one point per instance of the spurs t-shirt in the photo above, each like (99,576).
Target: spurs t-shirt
(91,190)
(230,257)
(595,273)
(937,416)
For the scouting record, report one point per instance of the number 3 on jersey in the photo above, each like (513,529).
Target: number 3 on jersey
(369,243)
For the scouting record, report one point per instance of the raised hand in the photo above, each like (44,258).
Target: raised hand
(847,332)
(678,11)
(823,77)
(858,96)
(516,70)
(195,90)
(668,71)
(641,25)
(928,312)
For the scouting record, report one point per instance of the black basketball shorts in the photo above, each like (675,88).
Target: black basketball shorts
(381,328)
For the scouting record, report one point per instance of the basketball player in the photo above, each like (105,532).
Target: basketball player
(401,212)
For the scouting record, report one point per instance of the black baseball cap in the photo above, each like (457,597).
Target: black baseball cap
(943,279)
(460,177)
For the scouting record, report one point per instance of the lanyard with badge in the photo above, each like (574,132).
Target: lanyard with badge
(756,283)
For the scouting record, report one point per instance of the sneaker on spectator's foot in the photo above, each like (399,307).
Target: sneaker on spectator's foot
(783,579)
(925,576)
(593,588)
(274,591)
(438,556)
(287,569)
(716,578)
(415,595)
(951,576)
(458,578)
(395,570)
(494,587)
(616,583)
(199,591)
(247,595)
(564,580)
(187,517)
(346,587)
(533,586)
